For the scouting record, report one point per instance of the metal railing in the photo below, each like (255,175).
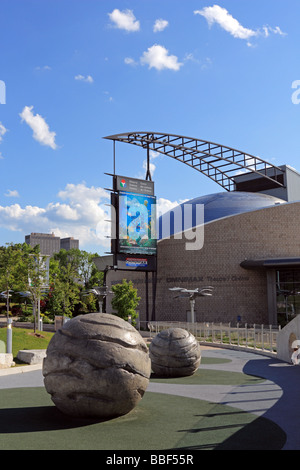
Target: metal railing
(251,337)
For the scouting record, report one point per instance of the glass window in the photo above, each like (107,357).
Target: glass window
(288,294)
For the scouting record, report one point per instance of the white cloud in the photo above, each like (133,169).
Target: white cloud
(160,25)
(16,218)
(12,193)
(37,123)
(153,156)
(158,57)
(189,57)
(152,167)
(44,67)
(82,78)
(124,20)
(206,63)
(221,16)
(3,131)
(79,193)
(130,61)
(79,212)
(108,96)
(62,212)
(203,63)
(165,205)
(268,29)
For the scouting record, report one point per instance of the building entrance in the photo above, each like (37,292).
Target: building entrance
(288,294)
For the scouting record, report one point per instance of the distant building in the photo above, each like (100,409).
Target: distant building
(68,243)
(49,243)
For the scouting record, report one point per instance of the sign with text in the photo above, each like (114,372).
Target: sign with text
(134,243)
(134,185)
(136,262)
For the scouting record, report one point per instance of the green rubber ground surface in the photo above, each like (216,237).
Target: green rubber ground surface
(211,377)
(29,420)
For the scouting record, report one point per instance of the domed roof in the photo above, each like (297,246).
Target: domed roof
(216,206)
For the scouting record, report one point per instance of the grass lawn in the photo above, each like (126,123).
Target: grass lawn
(23,338)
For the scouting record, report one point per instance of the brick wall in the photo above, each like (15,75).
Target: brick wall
(265,233)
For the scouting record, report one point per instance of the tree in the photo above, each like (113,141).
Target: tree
(87,270)
(23,268)
(72,273)
(35,277)
(64,288)
(11,270)
(125,300)
(82,264)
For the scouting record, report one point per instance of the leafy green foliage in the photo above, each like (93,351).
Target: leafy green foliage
(125,300)
(71,274)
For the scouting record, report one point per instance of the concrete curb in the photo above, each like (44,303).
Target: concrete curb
(20,369)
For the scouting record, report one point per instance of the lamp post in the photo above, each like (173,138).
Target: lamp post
(6,295)
(9,336)
(192,294)
(100,292)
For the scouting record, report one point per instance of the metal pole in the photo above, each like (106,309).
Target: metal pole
(38,312)
(7,303)
(192,302)
(9,336)
(114,157)
(148,173)
(147,297)
(271,339)
(34,311)
(154,281)
(104,285)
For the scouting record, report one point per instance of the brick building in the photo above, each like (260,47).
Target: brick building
(250,256)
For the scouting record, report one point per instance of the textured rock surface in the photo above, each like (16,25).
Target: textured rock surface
(97,365)
(31,356)
(174,353)
(6,360)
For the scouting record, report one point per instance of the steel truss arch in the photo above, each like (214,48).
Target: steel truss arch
(218,162)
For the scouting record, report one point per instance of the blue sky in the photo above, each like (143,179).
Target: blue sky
(76,71)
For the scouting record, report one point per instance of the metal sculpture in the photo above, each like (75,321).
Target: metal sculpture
(217,162)
(100,292)
(192,294)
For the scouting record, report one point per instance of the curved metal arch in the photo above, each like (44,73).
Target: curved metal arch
(217,162)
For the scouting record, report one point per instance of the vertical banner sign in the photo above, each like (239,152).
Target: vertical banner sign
(137,222)
(135,246)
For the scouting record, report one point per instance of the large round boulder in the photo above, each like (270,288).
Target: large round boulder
(174,353)
(96,365)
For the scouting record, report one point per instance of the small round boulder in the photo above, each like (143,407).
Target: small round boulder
(96,366)
(174,353)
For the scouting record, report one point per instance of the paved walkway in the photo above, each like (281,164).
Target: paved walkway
(276,398)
